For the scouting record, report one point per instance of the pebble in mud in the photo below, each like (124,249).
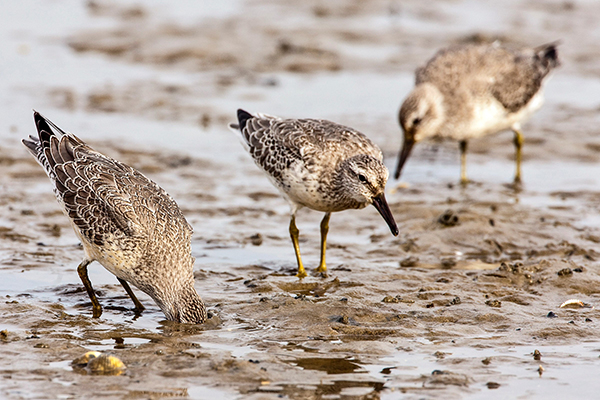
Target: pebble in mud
(256,239)
(448,262)
(409,262)
(409,245)
(516,268)
(391,299)
(442,377)
(454,301)
(494,303)
(448,218)
(565,272)
(397,299)
(540,370)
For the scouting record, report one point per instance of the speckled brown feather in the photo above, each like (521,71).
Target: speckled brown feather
(126,222)
(314,146)
(512,77)
(302,139)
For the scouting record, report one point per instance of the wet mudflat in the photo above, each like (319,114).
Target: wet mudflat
(454,307)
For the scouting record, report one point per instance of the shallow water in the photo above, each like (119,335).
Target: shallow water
(407,317)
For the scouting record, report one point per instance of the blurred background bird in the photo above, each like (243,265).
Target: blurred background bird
(469,91)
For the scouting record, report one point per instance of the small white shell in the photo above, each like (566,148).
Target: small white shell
(572,303)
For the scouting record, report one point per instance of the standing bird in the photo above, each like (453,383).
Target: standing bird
(125,221)
(470,91)
(317,164)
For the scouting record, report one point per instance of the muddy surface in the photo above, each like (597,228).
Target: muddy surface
(454,307)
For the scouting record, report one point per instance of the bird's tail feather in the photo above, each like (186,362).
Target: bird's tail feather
(547,54)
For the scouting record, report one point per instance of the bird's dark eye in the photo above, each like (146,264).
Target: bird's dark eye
(416,121)
(362,178)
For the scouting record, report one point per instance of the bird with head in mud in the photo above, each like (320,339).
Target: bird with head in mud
(469,91)
(316,164)
(125,221)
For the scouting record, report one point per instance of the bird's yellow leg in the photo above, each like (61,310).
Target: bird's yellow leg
(324,229)
(294,233)
(82,271)
(463,162)
(519,139)
(138,306)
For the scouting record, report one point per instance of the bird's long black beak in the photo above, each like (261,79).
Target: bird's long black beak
(381,205)
(404,153)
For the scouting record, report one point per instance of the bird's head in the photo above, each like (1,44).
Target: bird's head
(421,116)
(364,178)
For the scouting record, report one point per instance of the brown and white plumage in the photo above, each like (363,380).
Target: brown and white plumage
(125,221)
(317,164)
(469,91)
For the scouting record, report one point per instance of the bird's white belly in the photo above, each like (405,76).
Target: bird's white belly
(487,118)
(493,117)
(302,188)
(534,104)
